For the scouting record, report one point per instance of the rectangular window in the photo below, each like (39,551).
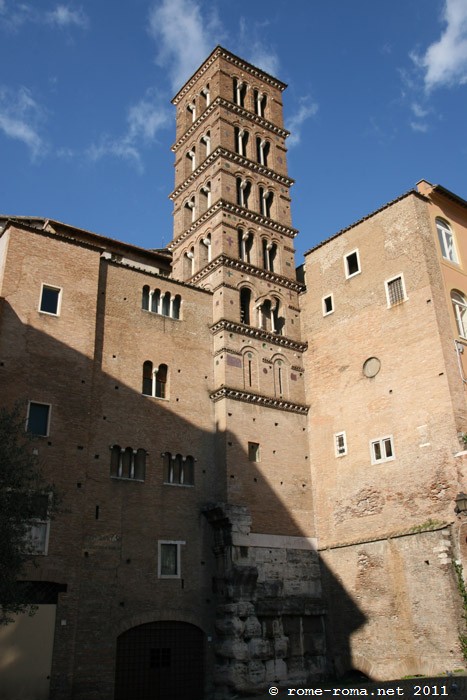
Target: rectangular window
(50,300)
(328,305)
(38,535)
(38,419)
(352,264)
(169,559)
(382,450)
(253,452)
(395,291)
(340,444)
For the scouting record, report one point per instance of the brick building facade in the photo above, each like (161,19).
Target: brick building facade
(258,477)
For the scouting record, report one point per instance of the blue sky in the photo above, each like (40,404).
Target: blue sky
(377,100)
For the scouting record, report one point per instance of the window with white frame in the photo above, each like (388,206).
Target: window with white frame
(395,291)
(169,558)
(352,264)
(382,449)
(340,444)
(50,300)
(459,304)
(328,305)
(446,241)
(38,418)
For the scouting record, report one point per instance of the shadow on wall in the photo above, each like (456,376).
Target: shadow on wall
(133,551)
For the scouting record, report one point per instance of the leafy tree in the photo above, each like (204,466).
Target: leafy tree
(23,493)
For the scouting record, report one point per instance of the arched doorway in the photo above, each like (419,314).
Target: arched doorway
(160,660)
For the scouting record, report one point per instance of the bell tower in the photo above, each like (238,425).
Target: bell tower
(233,236)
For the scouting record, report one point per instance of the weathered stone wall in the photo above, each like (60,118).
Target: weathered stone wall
(405,588)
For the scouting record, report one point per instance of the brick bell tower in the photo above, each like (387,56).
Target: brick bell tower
(233,236)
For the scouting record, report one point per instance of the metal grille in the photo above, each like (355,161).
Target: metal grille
(160,660)
(396,291)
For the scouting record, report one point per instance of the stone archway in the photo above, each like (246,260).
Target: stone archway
(160,660)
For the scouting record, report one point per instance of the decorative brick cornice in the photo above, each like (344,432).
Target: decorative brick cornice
(408,532)
(235,109)
(236,61)
(296,368)
(252,332)
(239,211)
(234,158)
(258,399)
(242,266)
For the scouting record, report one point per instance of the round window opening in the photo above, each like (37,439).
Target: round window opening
(371,367)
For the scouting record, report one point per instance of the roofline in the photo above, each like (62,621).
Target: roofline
(368,216)
(233,58)
(89,237)
(450,195)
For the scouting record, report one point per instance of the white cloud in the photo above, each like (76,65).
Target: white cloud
(22,13)
(64,16)
(306,109)
(253,47)
(145,119)
(445,61)
(183,37)
(419,111)
(421,127)
(20,115)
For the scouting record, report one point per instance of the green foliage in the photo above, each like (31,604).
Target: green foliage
(463,593)
(427,525)
(21,486)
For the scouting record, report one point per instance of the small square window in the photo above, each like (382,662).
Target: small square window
(253,452)
(38,419)
(50,300)
(395,291)
(340,444)
(328,305)
(382,450)
(169,559)
(352,264)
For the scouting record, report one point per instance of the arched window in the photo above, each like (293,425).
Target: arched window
(205,96)
(205,198)
(205,251)
(269,255)
(245,305)
(266,198)
(250,370)
(262,151)
(190,212)
(277,320)
(191,157)
(245,245)
(205,145)
(156,301)
(127,463)
(161,382)
(178,469)
(115,461)
(239,92)
(446,241)
(265,315)
(459,304)
(241,141)
(140,464)
(260,100)
(243,192)
(145,298)
(176,306)
(165,306)
(147,379)
(191,111)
